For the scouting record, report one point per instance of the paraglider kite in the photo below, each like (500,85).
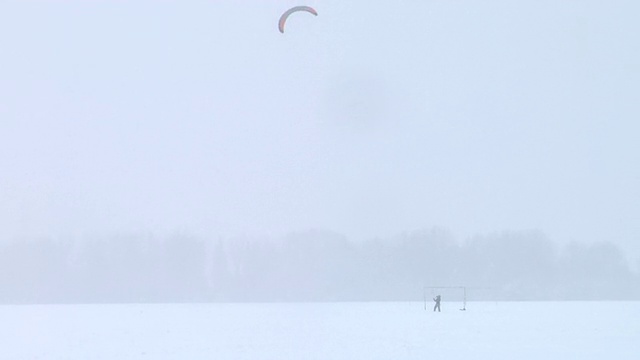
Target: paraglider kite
(285,16)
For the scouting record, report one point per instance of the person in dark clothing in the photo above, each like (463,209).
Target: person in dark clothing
(437,305)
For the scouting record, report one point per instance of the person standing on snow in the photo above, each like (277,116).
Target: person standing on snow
(437,305)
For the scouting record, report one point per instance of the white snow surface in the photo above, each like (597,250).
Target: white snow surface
(298,331)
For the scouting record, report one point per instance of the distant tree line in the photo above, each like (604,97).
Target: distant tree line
(311,266)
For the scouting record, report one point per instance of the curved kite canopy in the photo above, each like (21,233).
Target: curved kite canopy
(285,16)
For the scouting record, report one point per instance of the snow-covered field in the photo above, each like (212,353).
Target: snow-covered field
(390,331)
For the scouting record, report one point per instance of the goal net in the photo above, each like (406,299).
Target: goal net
(449,295)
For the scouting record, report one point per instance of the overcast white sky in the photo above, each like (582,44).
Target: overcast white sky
(373,118)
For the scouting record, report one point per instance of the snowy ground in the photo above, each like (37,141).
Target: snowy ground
(390,331)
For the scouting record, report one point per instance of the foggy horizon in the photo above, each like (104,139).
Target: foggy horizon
(313,266)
